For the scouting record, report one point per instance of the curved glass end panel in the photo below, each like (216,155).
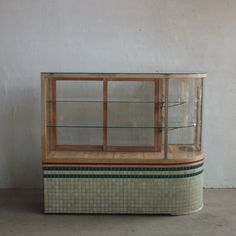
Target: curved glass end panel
(183,117)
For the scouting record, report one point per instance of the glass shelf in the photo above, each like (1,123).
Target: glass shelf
(172,125)
(100,101)
(171,103)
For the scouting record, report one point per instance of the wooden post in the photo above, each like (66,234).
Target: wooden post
(44,80)
(157,117)
(105,115)
(53,114)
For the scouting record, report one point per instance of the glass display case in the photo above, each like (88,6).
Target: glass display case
(120,120)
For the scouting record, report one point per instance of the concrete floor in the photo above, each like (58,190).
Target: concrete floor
(21,213)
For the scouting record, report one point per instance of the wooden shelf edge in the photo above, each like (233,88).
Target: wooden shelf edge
(123,161)
(117,165)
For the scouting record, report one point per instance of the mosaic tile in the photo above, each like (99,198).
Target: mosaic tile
(123,190)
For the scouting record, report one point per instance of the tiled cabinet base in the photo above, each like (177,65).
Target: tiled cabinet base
(123,190)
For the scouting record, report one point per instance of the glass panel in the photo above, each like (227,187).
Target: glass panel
(81,136)
(70,90)
(130,136)
(181,139)
(73,118)
(137,113)
(79,114)
(131,90)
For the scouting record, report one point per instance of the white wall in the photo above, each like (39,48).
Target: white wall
(115,36)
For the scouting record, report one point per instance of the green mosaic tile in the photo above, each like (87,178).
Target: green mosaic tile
(123,168)
(121,176)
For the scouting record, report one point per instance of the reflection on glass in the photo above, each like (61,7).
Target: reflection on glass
(140,113)
(182,140)
(73,114)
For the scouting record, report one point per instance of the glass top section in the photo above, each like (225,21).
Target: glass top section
(154,72)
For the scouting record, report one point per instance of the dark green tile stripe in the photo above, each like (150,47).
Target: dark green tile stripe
(123,168)
(101,176)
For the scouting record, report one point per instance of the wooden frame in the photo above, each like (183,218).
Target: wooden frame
(105,147)
(49,89)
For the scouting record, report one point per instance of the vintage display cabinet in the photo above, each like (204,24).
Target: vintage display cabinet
(122,143)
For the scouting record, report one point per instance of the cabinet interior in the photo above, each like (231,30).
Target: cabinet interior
(109,119)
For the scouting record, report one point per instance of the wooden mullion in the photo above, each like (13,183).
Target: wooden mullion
(44,81)
(76,147)
(130,79)
(53,118)
(112,148)
(198,110)
(157,116)
(78,78)
(105,114)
